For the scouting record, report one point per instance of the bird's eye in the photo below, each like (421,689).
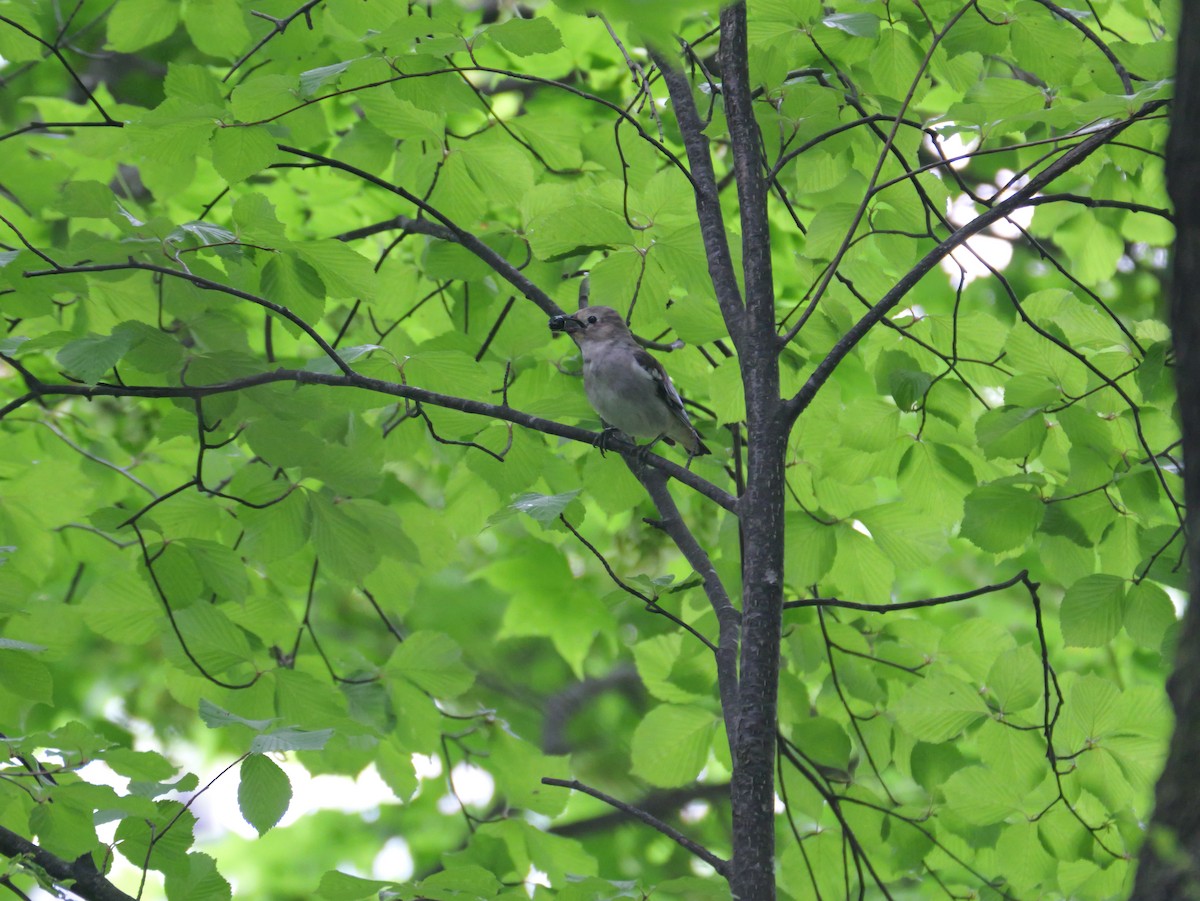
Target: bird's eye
(591,320)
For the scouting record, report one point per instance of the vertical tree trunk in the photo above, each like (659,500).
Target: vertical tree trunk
(1170,859)
(753,788)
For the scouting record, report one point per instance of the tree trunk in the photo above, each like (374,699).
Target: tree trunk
(1170,859)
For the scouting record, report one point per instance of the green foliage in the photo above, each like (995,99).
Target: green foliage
(231,529)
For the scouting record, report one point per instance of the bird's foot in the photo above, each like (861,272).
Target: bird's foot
(643,452)
(605,439)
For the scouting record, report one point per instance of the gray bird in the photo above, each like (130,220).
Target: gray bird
(624,384)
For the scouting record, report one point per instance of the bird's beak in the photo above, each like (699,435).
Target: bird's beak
(566,324)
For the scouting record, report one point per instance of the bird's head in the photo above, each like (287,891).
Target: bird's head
(591,324)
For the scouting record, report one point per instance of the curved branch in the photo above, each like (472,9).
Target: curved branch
(209,285)
(37,389)
(729,620)
(501,266)
(717,863)
(80,876)
(279,27)
(708,200)
(1065,15)
(909,605)
(1021,197)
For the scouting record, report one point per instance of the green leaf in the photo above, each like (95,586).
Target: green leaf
(288,739)
(982,797)
(239,153)
(293,283)
(212,638)
(1149,613)
(25,676)
(264,792)
(519,767)
(1016,679)
(545,508)
(341,541)
(671,743)
(200,880)
(939,707)
(91,357)
(859,25)
(575,229)
(262,97)
(336,886)
(313,80)
(809,549)
(1000,518)
(134,24)
(1092,610)
(1013,433)
(525,37)
(345,272)
(432,661)
(218,27)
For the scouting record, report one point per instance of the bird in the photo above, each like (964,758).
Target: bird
(626,385)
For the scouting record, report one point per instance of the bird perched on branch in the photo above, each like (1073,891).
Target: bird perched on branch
(624,384)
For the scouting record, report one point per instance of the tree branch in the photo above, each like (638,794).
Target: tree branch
(908,605)
(501,266)
(37,389)
(745,141)
(728,617)
(81,876)
(708,201)
(721,866)
(207,284)
(1021,197)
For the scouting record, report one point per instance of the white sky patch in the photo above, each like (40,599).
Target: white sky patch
(472,785)
(427,766)
(1178,598)
(993,395)
(916,313)
(857,525)
(394,862)
(217,809)
(954,145)
(1009,227)
(534,878)
(695,811)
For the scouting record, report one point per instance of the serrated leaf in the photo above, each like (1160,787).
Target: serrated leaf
(859,25)
(939,707)
(238,153)
(671,743)
(525,37)
(545,508)
(134,24)
(92,356)
(1093,610)
(337,886)
(288,739)
(199,880)
(999,518)
(432,661)
(264,792)
(313,80)
(293,283)
(981,797)
(1148,614)
(1014,433)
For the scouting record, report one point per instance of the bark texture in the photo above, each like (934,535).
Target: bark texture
(1170,859)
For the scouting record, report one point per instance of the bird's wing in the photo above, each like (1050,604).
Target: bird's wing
(666,390)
